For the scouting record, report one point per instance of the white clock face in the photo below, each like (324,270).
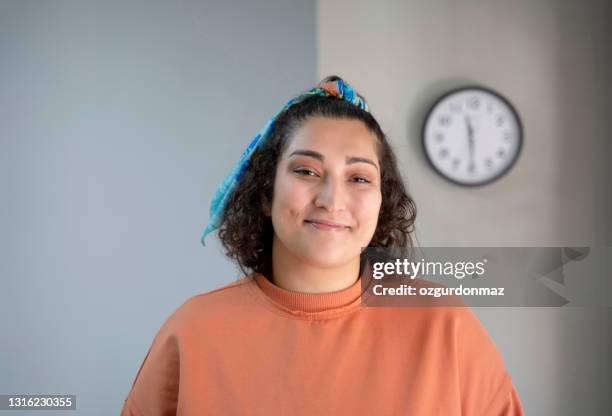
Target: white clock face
(472,136)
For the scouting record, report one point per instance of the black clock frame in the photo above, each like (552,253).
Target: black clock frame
(505,101)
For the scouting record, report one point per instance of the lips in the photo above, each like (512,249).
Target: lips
(327,225)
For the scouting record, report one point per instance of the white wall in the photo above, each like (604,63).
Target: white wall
(552,59)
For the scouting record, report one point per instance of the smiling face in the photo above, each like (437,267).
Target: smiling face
(326,192)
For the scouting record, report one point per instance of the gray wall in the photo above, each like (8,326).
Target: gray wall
(117,121)
(552,59)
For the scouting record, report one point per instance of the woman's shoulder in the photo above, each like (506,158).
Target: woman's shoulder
(208,307)
(220,294)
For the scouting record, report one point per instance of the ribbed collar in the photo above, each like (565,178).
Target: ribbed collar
(311,305)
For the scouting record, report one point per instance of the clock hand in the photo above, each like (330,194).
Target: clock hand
(470,128)
(471,166)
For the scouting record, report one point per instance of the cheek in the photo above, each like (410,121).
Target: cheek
(290,197)
(367,208)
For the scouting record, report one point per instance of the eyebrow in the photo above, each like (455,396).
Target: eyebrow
(319,156)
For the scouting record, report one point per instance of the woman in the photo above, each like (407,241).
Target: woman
(292,337)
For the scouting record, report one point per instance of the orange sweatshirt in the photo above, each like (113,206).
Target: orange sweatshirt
(253,348)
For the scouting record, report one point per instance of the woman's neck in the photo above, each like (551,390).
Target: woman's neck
(292,273)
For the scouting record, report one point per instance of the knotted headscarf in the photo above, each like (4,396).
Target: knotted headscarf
(337,88)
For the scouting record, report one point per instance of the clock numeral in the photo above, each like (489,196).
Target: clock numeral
(488,163)
(455,107)
(474,103)
(500,153)
(456,163)
(445,120)
(471,168)
(443,153)
(439,137)
(507,136)
(489,107)
(499,121)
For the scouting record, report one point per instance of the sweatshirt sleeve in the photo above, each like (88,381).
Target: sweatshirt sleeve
(156,386)
(486,388)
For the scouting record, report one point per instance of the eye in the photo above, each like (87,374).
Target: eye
(305,172)
(361,179)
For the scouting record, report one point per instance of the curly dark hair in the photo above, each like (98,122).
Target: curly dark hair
(246,232)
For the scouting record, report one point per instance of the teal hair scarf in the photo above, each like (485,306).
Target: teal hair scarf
(337,88)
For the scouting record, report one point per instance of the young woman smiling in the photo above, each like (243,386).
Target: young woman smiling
(327,198)
(292,336)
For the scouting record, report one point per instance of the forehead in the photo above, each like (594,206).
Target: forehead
(334,137)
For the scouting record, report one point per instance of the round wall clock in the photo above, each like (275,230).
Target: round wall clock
(472,136)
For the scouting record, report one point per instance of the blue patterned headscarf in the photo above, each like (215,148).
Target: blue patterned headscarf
(337,88)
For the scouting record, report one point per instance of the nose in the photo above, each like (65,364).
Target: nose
(331,195)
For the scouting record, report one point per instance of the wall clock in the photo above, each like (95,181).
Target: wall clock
(472,136)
